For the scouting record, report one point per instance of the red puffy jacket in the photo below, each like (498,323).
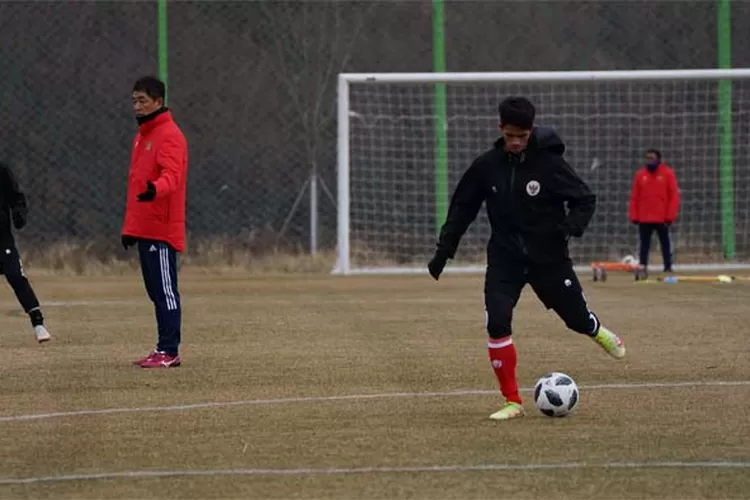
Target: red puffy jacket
(160,156)
(655,197)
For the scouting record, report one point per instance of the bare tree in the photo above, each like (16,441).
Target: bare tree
(310,43)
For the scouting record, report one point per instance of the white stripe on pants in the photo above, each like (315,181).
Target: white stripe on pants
(166,278)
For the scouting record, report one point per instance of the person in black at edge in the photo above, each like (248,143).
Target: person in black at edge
(13,212)
(526,185)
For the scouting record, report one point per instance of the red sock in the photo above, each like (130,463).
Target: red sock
(503,358)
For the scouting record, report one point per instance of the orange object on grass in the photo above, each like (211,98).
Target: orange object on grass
(616,266)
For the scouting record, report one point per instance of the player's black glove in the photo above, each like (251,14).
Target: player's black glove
(437,263)
(128,241)
(149,194)
(19,219)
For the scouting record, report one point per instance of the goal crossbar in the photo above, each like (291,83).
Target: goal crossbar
(550,76)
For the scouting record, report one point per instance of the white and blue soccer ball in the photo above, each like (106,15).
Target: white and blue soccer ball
(556,394)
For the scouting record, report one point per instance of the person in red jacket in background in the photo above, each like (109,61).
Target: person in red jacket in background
(155,213)
(654,202)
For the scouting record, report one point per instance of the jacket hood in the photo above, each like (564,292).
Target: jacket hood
(542,139)
(547,139)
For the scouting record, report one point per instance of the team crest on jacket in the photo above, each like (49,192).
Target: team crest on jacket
(533,187)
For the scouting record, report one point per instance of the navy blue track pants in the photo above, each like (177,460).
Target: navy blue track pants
(159,268)
(665,241)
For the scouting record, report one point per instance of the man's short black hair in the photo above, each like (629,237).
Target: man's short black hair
(151,86)
(656,152)
(517,111)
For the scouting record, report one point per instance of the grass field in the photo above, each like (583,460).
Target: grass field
(333,387)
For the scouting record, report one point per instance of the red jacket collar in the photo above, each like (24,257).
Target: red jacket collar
(159,119)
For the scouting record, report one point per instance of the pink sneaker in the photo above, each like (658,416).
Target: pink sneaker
(151,355)
(159,360)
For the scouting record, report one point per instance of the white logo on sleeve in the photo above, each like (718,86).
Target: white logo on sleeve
(533,187)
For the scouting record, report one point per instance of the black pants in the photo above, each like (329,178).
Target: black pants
(665,241)
(159,269)
(557,286)
(12,267)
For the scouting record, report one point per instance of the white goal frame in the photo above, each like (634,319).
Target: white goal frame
(345,80)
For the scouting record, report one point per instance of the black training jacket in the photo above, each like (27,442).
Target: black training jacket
(535,201)
(11,199)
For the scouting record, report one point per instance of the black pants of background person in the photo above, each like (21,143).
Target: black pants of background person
(12,268)
(665,242)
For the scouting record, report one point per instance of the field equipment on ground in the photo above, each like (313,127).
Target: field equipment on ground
(601,269)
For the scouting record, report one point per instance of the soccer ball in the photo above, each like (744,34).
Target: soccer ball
(629,260)
(556,394)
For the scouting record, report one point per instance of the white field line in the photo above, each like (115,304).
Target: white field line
(349,397)
(311,300)
(150,474)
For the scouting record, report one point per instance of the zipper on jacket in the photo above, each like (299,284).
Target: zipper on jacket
(519,237)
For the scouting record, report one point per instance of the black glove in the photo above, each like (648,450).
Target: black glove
(128,241)
(437,263)
(634,222)
(149,194)
(19,219)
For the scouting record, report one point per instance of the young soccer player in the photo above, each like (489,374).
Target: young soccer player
(13,212)
(526,184)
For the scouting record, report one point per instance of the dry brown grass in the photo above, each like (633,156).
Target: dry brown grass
(257,254)
(216,256)
(255,337)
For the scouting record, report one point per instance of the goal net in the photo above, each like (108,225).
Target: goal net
(405,139)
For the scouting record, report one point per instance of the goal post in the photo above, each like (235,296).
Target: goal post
(388,165)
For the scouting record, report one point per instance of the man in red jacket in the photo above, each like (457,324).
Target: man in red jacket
(654,202)
(155,213)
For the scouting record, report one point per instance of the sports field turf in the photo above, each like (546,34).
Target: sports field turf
(370,387)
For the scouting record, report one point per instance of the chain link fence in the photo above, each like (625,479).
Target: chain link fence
(253,85)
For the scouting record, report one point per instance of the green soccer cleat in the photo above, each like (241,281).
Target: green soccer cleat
(510,410)
(610,342)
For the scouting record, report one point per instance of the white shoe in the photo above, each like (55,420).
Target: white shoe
(42,335)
